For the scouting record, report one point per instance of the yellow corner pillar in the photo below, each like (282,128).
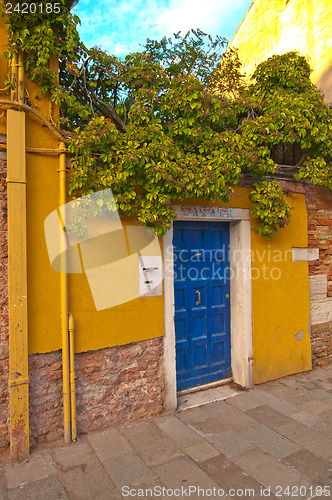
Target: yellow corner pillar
(17,285)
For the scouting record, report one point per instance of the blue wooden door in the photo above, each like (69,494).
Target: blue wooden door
(202,304)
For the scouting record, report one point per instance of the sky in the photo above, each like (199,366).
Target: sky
(122,26)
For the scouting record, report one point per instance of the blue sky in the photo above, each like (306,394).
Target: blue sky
(120,26)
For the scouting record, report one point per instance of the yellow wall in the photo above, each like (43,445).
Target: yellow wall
(280,306)
(277,26)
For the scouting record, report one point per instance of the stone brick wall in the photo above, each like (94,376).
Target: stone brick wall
(321,344)
(113,385)
(319,207)
(4,356)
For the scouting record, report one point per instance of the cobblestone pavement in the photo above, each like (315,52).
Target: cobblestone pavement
(274,440)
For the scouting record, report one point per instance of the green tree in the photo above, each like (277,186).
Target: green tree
(178,120)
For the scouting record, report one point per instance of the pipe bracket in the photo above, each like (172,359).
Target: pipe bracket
(16,181)
(18,381)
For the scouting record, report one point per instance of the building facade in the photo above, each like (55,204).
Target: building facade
(277,27)
(232,304)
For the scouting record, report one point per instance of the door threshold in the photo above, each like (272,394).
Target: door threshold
(203,387)
(208,395)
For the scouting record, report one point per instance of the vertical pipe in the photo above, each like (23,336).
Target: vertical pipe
(64,300)
(14,92)
(71,328)
(20,83)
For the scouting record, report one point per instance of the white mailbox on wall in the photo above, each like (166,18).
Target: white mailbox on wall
(150,275)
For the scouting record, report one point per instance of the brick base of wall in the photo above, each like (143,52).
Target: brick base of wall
(321,344)
(113,385)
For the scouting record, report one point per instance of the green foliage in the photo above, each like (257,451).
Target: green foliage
(49,30)
(195,53)
(269,207)
(165,124)
(289,72)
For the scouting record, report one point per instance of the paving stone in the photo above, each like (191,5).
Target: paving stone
(3,485)
(230,443)
(309,438)
(295,395)
(244,401)
(183,472)
(268,471)
(47,488)
(201,451)
(220,468)
(313,388)
(193,415)
(148,490)
(81,472)
(293,382)
(142,433)
(159,451)
(109,495)
(230,477)
(324,479)
(316,406)
(128,470)
(307,418)
(327,416)
(268,416)
(328,400)
(209,427)
(268,399)
(270,441)
(177,430)
(320,394)
(109,444)
(323,427)
(230,416)
(32,469)
(307,464)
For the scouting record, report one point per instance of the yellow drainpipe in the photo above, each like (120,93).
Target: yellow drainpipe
(72,377)
(18,380)
(64,300)
(14,75)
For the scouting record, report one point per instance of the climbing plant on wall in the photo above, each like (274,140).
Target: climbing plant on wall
(176,120)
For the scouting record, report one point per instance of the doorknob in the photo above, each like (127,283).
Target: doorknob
(199,298)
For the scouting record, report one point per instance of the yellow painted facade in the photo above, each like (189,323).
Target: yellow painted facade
(278,26)
(280,301)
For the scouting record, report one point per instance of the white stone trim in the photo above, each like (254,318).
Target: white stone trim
(193,212)
(241,306)
(305,254)
(169,339)
(320,303)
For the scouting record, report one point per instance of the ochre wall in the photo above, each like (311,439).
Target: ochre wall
(280,307)
(277,26)
(280,300)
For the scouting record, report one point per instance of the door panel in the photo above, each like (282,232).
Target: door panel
(202,304)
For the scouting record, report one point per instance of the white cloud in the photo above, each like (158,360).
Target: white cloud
(122,25)
(210,15)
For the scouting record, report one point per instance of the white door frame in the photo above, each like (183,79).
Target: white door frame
(240,300)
